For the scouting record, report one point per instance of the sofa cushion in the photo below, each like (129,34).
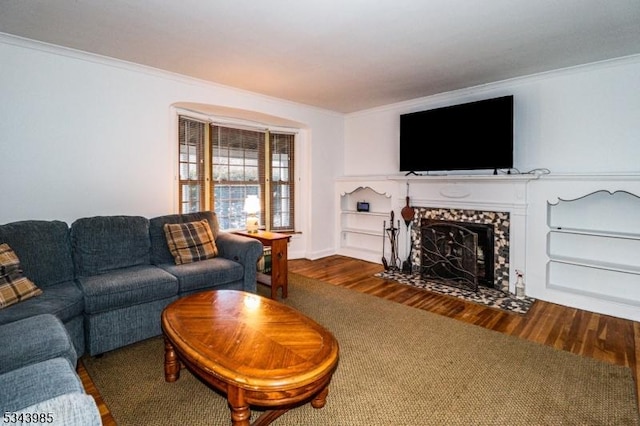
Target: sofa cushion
(34,339)
(35,383)
(159,249)
(44,250)
(206,274)
(190,242)
(126,287)
(64,300)
(14,287)
(105,243)
(71,409)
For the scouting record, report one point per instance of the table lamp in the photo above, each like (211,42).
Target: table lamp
(252,207)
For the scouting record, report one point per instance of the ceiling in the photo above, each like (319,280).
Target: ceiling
(345,55)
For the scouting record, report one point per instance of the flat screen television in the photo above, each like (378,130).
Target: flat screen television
(471,136)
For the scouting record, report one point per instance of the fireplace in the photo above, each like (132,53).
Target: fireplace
(475,233)
(457,253)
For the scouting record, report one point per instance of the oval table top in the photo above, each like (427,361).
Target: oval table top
(250,341)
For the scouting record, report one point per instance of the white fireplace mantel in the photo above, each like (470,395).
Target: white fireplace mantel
(497,193)
(478,192)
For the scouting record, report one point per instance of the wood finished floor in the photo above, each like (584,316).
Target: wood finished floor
(602,337)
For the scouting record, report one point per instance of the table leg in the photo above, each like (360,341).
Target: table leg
(320,399)
(171,362)
(279,268)
(240,412)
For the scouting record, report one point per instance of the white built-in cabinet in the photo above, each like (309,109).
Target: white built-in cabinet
(361,233)
(594,246)
(583,242)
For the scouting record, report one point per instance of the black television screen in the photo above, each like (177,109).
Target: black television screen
(471,136)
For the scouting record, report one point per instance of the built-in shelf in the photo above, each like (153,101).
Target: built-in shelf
(598,295)
(607,266)
(595,233)
(364,214)
(593,244)
(362,232)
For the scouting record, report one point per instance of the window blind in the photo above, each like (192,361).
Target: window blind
(191,187)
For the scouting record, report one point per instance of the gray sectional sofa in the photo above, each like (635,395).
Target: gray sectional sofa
(108,278)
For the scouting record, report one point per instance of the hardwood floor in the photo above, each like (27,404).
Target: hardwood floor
(584,333)
(107,418)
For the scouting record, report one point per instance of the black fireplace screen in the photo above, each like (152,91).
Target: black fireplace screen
(457,253)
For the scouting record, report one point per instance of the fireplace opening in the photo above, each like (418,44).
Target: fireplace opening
(455,253)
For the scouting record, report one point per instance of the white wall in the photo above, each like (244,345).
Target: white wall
(82,135)
(579,120)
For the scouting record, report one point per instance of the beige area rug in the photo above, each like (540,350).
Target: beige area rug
(398,366)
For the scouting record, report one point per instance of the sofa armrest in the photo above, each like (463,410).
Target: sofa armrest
(32,340)
(243,250)
(71,409)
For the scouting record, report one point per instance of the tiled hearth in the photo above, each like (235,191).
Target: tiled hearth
(486,296)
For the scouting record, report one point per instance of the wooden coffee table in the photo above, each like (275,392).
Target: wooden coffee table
(256,350)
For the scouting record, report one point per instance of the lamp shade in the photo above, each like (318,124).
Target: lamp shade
(252,207)
(252,204)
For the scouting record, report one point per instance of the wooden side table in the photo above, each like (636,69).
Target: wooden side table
(279,270)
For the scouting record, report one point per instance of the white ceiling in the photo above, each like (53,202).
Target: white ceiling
(345,55)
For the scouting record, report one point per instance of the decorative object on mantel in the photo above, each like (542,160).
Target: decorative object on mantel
(392,233)
(490,297)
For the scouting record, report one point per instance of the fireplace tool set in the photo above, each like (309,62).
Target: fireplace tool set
(391,233)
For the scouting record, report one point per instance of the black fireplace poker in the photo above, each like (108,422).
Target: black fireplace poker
(392,233)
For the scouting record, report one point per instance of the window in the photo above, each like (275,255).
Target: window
(237,172)
(281,207)
(221,165)
(191,184)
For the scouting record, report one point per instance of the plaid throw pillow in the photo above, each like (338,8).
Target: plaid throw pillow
(190,242)
(14,287)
